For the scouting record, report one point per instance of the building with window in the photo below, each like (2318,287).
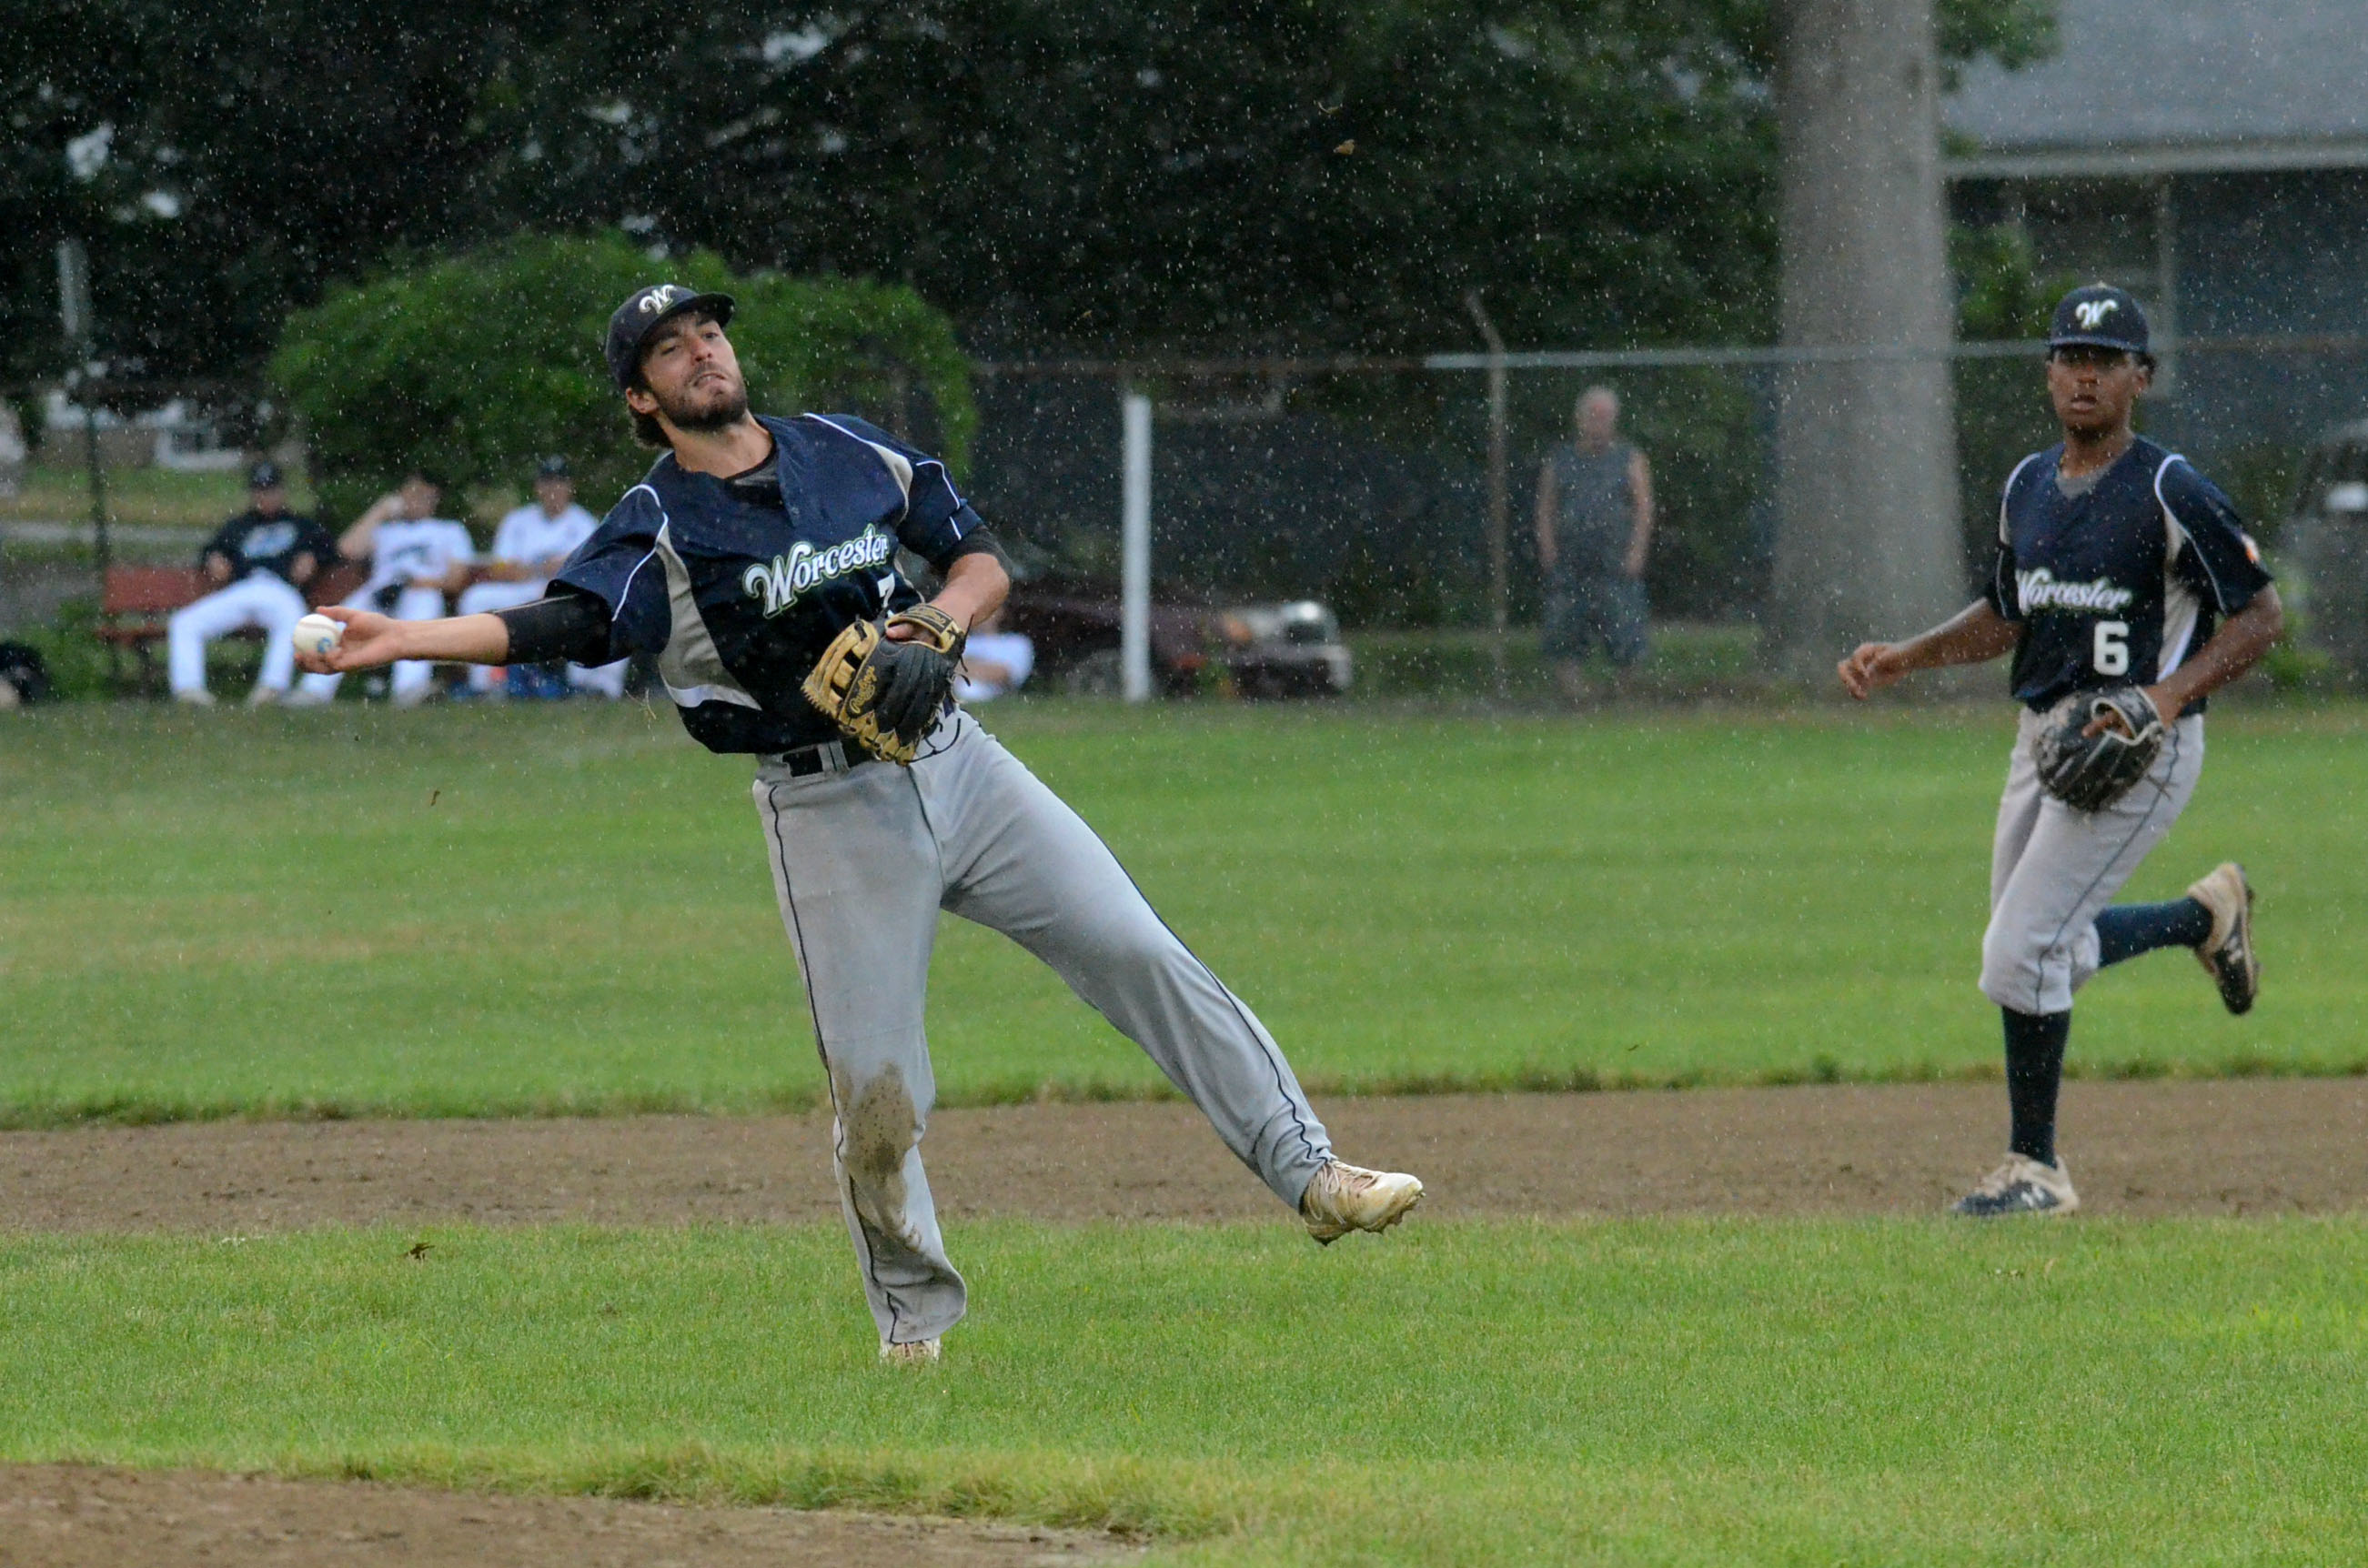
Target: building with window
(2212,158)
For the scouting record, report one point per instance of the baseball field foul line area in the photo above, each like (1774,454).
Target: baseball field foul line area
(355,912)
(1726,1325)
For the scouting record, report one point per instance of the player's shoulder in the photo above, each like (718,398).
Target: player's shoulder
(835,427)
(641,509)
(2034,468)
(2174,479)
(849,436)
(854,432)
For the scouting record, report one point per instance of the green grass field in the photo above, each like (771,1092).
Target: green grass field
(1670,1392)
(450,912)
(458,912)
(447,911)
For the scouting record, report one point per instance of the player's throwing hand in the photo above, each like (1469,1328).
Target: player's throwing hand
(370,640)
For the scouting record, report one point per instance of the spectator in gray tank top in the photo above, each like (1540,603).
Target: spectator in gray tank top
(1595,530)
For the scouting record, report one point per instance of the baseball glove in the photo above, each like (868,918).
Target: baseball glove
(2089,772)
(884,695)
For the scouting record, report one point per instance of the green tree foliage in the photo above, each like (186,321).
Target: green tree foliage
(1057,174)
(2002,408)
(476,364)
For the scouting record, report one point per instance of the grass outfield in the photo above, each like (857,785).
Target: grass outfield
(1659,1392)
(460,911)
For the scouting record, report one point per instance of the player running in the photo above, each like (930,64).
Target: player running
(756,562)
(2117,565)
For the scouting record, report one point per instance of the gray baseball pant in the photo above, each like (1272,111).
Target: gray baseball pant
(2054,869)
(863,859)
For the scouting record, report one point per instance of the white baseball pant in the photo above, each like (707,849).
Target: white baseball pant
(260,599)
(863,859)
(2054,869)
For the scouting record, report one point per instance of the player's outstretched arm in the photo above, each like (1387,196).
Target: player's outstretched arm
(1974,635)
(373,639)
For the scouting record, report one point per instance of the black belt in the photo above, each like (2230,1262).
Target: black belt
(805,762)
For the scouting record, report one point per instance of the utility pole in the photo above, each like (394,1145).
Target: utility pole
(1498,587)
(74,315)
(1870,542)
(1134,549)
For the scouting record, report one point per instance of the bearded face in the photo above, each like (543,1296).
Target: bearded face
(691,372)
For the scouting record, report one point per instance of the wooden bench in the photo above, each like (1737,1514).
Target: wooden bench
(137,601)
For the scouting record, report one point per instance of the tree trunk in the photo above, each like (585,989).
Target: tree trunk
(1869,541)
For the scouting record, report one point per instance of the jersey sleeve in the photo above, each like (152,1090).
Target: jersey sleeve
(2000,589)
(461,548)
(2004,595)
(938,526)
(618,569)
(2211,548)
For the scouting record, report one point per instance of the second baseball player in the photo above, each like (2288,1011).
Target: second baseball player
(2118,566)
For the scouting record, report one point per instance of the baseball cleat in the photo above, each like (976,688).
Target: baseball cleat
(201,698)
(2021,1185)
(2228,954)
(1344,1198)
(912,1353)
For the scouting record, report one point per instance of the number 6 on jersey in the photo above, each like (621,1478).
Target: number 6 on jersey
(2112,655)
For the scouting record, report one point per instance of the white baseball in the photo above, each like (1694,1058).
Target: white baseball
(318,635)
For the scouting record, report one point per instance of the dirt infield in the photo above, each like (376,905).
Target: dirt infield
(2230,1148)
(73,1516)
(2221,1147)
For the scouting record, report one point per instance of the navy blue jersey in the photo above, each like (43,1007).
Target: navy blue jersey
(252,542)
(736,585)
(2118,585)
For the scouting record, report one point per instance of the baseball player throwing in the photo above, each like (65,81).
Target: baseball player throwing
(756,563)
(2126,590)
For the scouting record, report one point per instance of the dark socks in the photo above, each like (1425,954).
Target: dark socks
(2129,929)
(2034,1071)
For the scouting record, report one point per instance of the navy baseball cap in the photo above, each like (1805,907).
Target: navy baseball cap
(552,468)
(640,315)
(264,475)
(2100,316)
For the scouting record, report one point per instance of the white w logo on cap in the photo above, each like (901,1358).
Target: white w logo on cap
(2090,311)
(665,294)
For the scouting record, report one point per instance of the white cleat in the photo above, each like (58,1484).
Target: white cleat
(264,697)
(2021,1185)
(304,697)
(912,1353)
(1344,1198)
(2228,954)
(201,698)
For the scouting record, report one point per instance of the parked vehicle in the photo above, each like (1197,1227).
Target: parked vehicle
(1254,651)
(1291,650)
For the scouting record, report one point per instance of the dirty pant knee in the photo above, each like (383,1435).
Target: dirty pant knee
(881,1089)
